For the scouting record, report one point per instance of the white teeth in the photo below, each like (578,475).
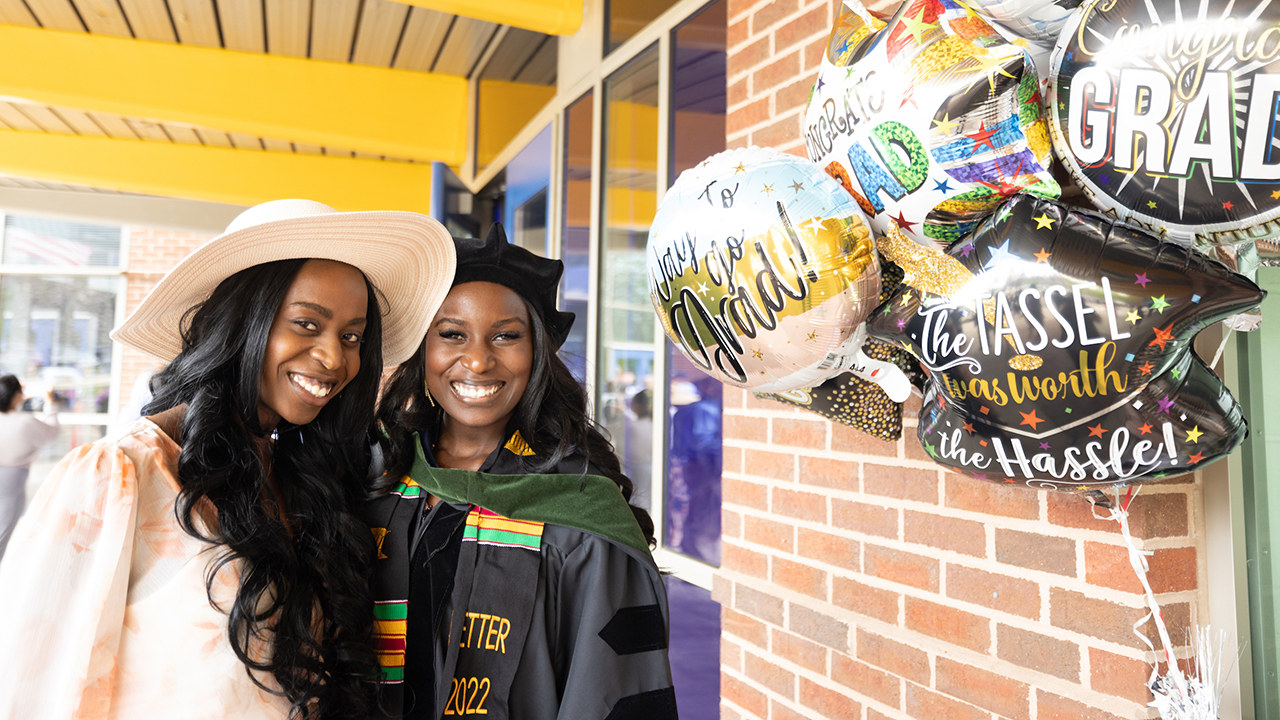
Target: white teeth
(317,389)
(475,393)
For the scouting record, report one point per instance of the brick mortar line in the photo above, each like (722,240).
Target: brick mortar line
(778,23)
(773,28)
(1198,527)
(772,121)
(754,95)
(784,411)
(751,99)
(742,677)
(803,710)
(1036,526)
(825,681)
(774,118)
(852,456)
(748,11)
(771,33)
(729,110)
(824,490)
(749,70)
(895,461)
(1004,522)
(1042,625)
(826,453)
(743,712)
(1039,577)
(741,641)
(894,713)
(989,565)
(763,124)
(934,648)
(853,534)
(1167,543)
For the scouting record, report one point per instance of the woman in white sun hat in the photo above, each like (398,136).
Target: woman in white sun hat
(204,562)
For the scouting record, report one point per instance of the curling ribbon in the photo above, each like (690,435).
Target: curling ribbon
(1137,558)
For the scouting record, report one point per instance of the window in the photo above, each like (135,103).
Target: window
(625,357)
(625,18)
(575,234)
(57,243)
(528,177)
(695,449)
(61,292)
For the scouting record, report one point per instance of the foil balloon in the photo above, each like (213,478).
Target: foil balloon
(1040,22)
(762,269)
(1164,114)
(1059,349)
(858,403)
(879,9)
(930,121)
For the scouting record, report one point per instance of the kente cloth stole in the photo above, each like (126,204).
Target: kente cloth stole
(492,605)
(391,517)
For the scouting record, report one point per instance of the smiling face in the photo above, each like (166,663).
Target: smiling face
(479,357)
(313,349)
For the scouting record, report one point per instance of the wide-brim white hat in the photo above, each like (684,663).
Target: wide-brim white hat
(407,256)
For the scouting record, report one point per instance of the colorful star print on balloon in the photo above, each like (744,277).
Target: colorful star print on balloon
(935,101)
(1058,373)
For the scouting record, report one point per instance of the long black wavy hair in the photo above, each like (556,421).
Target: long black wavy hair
(303,611)
(552,416)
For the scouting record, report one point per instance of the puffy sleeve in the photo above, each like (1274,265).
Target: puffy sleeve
(613,634)
(65,577)
(48,427)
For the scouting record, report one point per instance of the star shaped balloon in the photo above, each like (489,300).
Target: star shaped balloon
(1071,372)
(930,120)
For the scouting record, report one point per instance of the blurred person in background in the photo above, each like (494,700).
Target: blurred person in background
(22,434)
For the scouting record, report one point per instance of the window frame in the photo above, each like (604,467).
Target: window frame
(120,272)
(1230,533)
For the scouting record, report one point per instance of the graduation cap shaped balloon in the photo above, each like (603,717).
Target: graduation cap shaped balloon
(1059,349)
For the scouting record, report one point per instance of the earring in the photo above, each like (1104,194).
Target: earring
(427,389)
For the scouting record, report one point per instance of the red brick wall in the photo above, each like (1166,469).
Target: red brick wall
(152,253)
(860,580)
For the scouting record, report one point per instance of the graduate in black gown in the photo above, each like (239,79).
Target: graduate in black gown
(514,580)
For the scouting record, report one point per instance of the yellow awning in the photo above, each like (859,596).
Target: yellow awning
(242,177)
(553,17)
(380,111)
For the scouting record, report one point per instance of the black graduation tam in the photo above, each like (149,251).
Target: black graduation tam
(534,278)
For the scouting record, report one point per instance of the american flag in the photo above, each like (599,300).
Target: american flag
(24,246)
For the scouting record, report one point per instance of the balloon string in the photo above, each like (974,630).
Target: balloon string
(1218,355)
(1137,559)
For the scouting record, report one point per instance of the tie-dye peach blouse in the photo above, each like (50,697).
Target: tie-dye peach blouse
(103,607)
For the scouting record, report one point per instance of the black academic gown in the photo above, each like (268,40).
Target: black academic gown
(528,597)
